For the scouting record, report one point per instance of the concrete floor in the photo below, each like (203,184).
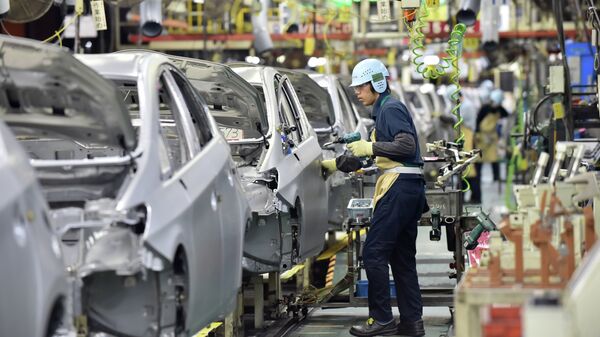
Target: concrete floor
(337,322)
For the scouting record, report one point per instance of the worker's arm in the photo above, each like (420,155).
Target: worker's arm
(403,146)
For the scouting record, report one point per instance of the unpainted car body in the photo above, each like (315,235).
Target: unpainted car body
(346,120)
(139,180)
(349,118)
(33,286)
(284,180)
(197,200)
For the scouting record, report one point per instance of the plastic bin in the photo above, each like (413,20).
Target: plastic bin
(360,208)
(362,288)
(581,62)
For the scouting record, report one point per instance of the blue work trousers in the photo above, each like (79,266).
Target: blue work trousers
(392,240)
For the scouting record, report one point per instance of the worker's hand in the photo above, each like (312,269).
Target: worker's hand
(361,148)
(329,165)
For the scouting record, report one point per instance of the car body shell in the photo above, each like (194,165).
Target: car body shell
(33,287)
(200,207)
(301,191)
(139,211)
(346,120)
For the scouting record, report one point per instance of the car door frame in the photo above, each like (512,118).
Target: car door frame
(198,186)
(311,184)
(228,192)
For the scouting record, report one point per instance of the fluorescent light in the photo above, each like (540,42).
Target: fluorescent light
(253,59)
(427,87)
(431,60)
(314,62)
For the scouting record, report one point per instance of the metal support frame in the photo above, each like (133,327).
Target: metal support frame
(259,303)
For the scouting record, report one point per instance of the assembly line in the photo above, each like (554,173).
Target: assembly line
(263,168)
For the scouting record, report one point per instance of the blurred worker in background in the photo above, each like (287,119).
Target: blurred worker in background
(399,203)
(487,137)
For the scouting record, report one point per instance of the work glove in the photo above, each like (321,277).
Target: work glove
(348,163)
(329,165)
(361,148)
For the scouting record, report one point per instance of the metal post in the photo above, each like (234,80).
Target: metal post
(274,288)
(361,186)
(306,273)
(117,27)
(233,322)
(77,40)
(350,264)
(259,303)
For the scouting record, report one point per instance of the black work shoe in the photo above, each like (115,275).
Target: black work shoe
(413,329)
(372,328)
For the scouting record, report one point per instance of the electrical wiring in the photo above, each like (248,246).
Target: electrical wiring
(58,34)
(4,28)
(465,181)
(534,112)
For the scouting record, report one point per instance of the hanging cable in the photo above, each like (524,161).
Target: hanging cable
(567,119)
(58,34)
(4,28)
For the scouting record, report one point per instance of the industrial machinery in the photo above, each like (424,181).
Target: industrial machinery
(457,160)
(548,237)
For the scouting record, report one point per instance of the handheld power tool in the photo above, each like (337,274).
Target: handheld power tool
(345,139)
(483,224)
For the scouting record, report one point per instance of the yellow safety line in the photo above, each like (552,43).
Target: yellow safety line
(341,244)
(204,332)
(289,273)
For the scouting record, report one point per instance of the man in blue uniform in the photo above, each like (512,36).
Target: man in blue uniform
(399,202)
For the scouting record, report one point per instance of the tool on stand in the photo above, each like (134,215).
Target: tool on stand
(484,224)
(458,160)
(435,234)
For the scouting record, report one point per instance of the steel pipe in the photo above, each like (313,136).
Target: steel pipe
(4,7)
(262,37)
(151,18)
(468,11)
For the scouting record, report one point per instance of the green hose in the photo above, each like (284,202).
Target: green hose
(432,72)
(516,153)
